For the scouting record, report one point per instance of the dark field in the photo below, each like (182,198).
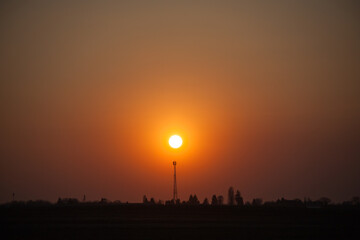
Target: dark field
(136,221)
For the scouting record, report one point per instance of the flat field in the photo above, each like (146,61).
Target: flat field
(137,221)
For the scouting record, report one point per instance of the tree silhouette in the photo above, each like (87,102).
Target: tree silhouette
(220,200)
(193,200)
(238,198)
(257,202)
(325,201)
(355,200)
(196,200)
(231,197)
(72,201)
(214,200)
(206,202)
(190,199)
(145,200)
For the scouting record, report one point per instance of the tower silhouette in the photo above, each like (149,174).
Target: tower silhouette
(175,196)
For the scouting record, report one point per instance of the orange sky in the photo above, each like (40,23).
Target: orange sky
(264,93)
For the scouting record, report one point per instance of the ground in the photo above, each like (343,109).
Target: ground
(136,221)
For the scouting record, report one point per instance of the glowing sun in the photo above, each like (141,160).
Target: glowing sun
(175,141)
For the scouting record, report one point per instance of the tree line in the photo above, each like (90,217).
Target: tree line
(234,198)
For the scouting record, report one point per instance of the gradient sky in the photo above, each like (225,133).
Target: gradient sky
(266,95)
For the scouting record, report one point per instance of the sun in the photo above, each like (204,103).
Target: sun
(175,141)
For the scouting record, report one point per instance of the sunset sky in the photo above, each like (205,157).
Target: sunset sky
(265,94)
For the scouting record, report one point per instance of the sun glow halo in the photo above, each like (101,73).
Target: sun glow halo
(175,141)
